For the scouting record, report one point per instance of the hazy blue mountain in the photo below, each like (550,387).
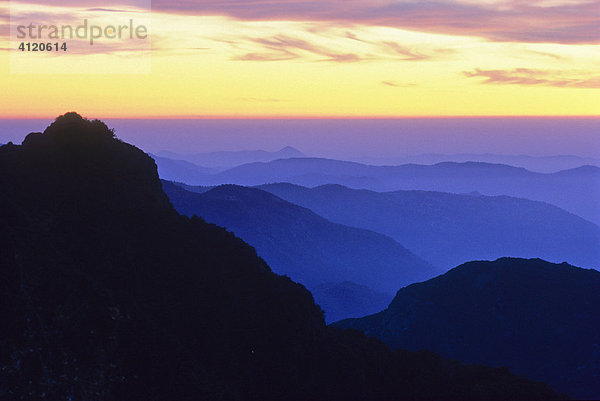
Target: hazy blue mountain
(348,299)
(537,318)
(180,170)
(302,171)
(541,164)
(304,246)
(191,188)
(449,229)
(576,190)
(224,159)
(107,293)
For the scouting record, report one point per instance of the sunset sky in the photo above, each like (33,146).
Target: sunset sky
(312,58)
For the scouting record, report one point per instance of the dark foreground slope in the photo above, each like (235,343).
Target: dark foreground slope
(537,318)
(304,246)
(106,293)
(449,229)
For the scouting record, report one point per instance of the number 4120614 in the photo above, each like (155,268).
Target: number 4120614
(42,47)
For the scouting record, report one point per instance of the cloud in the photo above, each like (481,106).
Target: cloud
(275,56)
(284,47)
(110,10)
(534,21)
(526,76)
(404,52)
(507,20)
(334,46)
(395,84)
(546,54)
(4,31)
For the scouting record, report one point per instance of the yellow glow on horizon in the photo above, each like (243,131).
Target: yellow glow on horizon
(217,66)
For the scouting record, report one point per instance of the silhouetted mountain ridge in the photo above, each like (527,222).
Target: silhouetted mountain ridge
(302,245)
(180,170)
(540,164)
(448,229)
(229,159)
(106,293)
(537,318)
(575,190)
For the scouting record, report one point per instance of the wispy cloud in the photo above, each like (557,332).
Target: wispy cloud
(395,84)
(335,46)
(404,52)
(277,55)
(537,21)
(520,21)
(67,21)
(283,47)
(111,10)
(525,76)
(547,54)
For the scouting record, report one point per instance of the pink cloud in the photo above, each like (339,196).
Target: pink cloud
(404,52)
(283,47)
(395,84)
(510,20)
(525,76)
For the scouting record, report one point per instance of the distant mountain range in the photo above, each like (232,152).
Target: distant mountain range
(223,160)
(180,170)
(576,190)
(306,247)
(448,229)
(536,318)
(107,293)
(541,164)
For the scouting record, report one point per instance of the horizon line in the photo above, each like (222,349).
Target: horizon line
(311,117)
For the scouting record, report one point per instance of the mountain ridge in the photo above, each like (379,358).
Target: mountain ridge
(575,190)
(297,242)
(228,159)
(106,293)
(537,318)
(449,229)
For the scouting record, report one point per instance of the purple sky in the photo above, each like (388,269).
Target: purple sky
(354,138)
(575,21)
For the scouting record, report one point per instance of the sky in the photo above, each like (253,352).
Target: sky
(364,140)
(307,58)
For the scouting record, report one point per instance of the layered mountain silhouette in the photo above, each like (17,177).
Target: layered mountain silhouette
(179,170)
(576,190)
(106,293)
(537,318)
(541,164)
(348,299)
(450,229)
(224,159)
(306,247)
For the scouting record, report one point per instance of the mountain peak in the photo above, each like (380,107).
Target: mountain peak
(78,160)
(290,151)
(71,128)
